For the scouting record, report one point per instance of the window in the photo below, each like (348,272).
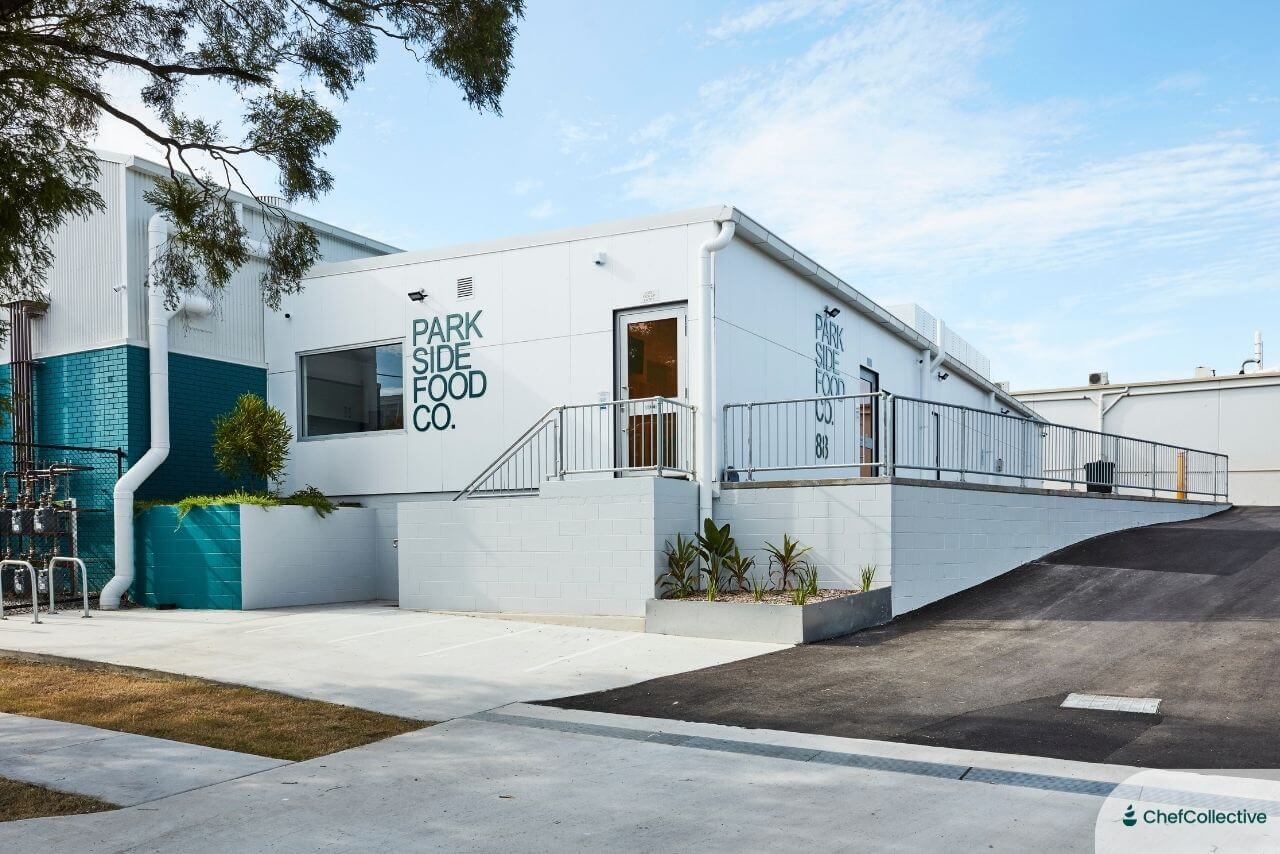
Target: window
(352,391)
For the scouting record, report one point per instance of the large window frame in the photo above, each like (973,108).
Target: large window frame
(300,368)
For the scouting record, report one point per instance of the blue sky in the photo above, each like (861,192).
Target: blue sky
(1072,186)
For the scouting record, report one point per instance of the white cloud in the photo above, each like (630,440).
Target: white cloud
(774,13)
(575,136)
(525,187)
(1183,82)
(543,210)
(881,150)
(644,161)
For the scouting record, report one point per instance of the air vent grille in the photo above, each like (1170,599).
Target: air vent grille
(466,288)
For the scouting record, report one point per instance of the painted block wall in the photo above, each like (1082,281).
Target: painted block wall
(845,525)
(579,547)
(291,556)
(194,563)
(246,557)
(930,539)
(949,539)
(99,398)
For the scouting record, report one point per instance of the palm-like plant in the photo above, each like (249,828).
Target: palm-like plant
(681,577)
(739,567)
(787,561)
(715,545)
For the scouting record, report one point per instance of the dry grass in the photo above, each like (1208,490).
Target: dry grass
(196,711)
(20,800)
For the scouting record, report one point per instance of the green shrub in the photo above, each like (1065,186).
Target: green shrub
(715,545)
(681,577)
(252,439)
(739,567)
(759,587)
(787,561)
(308,496)
(867,575)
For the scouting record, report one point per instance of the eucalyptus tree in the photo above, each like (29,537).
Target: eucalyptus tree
(274,55)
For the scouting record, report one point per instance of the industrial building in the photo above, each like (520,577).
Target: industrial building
(1233,412)
(526,422)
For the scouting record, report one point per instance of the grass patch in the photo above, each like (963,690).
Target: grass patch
(196,711)
(20,800)
(308,496)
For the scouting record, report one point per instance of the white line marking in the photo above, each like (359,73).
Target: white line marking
(291,623)
(583,652)
(482,640)
(395,629)
(1108,703)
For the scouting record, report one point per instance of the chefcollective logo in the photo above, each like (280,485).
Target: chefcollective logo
(1179,811)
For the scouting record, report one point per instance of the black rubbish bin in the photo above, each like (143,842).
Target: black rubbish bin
(1099,476)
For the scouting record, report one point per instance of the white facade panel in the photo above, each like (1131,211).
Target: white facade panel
(291,556)
(1233,415)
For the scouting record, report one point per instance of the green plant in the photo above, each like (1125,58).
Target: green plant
(866,576)
(715,545)
(681,577)
(253,438)
(785,562)
(739,567)
(758,588)
(308,496)
(807,580)
(800,596)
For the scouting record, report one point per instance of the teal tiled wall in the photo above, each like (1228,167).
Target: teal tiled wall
(194,563)
(98,398)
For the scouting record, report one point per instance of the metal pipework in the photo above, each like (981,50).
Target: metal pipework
(35,602)
(72,562)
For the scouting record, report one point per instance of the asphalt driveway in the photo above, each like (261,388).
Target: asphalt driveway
(1186,612)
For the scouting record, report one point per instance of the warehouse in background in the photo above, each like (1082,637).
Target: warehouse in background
(1233,412)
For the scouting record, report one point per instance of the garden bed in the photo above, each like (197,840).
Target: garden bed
(737,616)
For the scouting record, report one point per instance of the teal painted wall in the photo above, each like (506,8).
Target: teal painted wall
(194,563)
(99,398)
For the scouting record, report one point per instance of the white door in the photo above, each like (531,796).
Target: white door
(651,346)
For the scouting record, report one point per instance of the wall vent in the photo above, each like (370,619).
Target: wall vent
(466,288)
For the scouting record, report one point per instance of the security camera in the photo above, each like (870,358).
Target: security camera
(831,311)
(943,375)
(418,296)
(600,259)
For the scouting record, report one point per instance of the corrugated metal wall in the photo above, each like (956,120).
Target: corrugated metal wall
(87,311)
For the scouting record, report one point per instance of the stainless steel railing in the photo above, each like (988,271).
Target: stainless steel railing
(653,434)
(868,435)
(804,434)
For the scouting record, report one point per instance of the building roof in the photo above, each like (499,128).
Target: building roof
(1221,379)
(159,170)
(747,229)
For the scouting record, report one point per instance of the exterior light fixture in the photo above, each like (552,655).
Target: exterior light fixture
(831,311)
(418,296)
(943,375)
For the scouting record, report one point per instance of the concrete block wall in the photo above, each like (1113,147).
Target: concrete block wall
(292,556)
(192,562)
(950,539)
(579,547)
(847,526)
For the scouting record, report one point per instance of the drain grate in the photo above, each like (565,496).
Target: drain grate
(1106,703)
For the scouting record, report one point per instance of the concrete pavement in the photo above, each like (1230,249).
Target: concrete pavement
(375,656)
(477,785)
(116,767)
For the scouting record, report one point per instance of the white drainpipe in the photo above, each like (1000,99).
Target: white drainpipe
(158,342)
(929,364)
(707,413)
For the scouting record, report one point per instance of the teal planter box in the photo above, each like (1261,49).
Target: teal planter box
(192,563)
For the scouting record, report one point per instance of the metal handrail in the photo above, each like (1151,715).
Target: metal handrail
(876,433)
(73,562)
(35,601)
(580,439)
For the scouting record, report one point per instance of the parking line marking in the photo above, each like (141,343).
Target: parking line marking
(583,652)
(474,642)
(395,629)
(291,623)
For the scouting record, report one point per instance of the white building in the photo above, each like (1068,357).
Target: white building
(1236,414)
(694,345)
